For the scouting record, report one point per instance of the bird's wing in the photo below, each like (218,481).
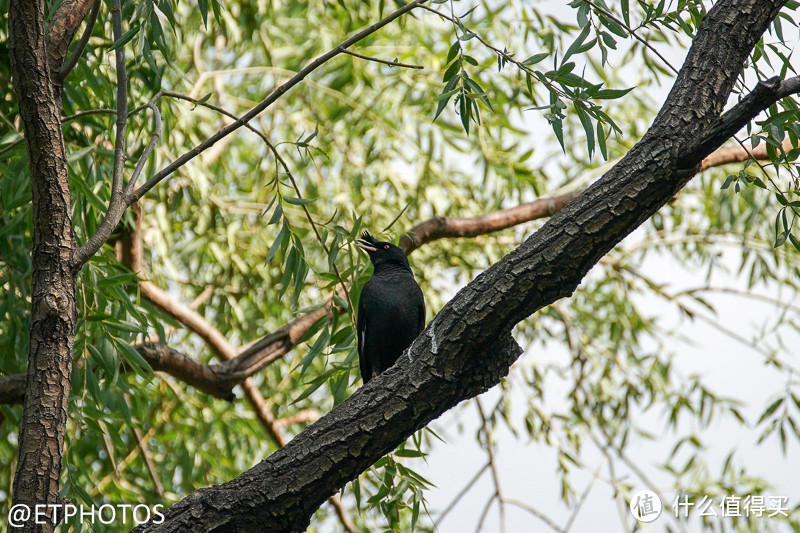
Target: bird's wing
(361,327)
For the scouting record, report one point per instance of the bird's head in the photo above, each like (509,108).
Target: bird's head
(382,253)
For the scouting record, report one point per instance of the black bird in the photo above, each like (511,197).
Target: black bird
(391,309)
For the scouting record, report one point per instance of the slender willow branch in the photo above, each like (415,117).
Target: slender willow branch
(493,469)
(394,63)
(268,101)
(157,131)
(632,32)
(461,494)
(116,207)
(119,201)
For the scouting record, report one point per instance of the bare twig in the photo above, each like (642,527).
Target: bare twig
(202,297)
(394,63)
(90,112)
(538,514)
(300,417)
(142,445)
(461,493)
(583,497)
(157,130)
(492,467)
(632,32)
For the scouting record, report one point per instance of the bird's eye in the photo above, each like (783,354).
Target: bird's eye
(386,246)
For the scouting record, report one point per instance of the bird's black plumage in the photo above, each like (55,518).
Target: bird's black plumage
(391,309)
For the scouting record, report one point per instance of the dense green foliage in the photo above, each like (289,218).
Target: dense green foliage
(528,101)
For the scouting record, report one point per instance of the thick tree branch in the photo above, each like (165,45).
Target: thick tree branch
(766,93)
(468,346)
(251,359)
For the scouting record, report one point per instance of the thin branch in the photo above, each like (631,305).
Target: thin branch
(141,444)
(615,484)
(157,131)
(190,318)
(90,112)
(492,467)
(300,417)
(344,292)
(633,33)
(461,493)
(116,206)
(734,154)
(164,414)
(541,516)
(483,515)
(68,65)
(394,63)
(341,513)
(219,380)
(738,292)
(583,497)
(61,28)
(12,146)
(269,100)
(202,297)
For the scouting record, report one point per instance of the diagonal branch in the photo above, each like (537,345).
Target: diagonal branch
(68,65)
(766,93)
(61,29)
(268,101)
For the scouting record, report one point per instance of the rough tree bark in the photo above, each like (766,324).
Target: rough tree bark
(53,313)
(468,346)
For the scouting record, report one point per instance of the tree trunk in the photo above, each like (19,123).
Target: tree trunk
(53,309)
